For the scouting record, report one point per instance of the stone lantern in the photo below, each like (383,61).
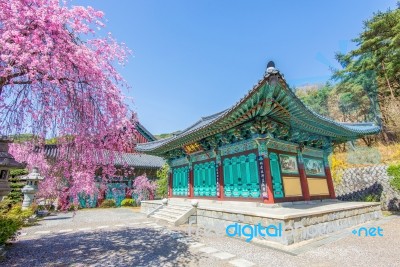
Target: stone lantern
(7,162)
(31,187)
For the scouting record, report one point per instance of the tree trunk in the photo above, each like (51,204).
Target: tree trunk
(387,81)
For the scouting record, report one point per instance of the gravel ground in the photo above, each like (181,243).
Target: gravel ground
(350,250)
(124,237)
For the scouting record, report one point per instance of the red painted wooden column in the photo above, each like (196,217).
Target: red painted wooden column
(170,184)
(303,177)
(191,177)
(268,181)
(221,182)
(304,183)
(220,177)
(331,188)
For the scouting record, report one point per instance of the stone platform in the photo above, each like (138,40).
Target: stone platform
(290,222)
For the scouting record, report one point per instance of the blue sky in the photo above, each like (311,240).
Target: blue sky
(195,58)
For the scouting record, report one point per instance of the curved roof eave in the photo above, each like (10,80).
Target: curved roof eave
(349,130)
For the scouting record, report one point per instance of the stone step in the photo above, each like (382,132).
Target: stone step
(170,220)
(174,214)
(166,214)
(171,212)
(178,207)
(169,215)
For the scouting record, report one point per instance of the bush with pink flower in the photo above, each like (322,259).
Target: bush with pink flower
(144,188)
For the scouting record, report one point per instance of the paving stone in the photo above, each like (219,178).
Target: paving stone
(223,255)
(183,240)
(42,232)
(196,245)
(85,229)
(65,231)
(241,263)
(208,250)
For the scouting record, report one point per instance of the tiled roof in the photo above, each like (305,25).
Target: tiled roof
(136,160)
(204,121)
(140,160)
(295,111)
(6,159)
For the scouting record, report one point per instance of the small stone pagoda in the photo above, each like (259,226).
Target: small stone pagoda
(268,147)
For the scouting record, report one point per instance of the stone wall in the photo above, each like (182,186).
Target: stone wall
(294,230)
(373,181)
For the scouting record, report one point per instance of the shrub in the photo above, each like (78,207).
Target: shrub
(16,194)
(394,171)
(17,212)
(8,228)
(128,202)
(364,155)
(5,206)
(338,166)
(108,203)
(371,198)
(18,172)
(162,182)
(70,208)
(144,188)
(12,218)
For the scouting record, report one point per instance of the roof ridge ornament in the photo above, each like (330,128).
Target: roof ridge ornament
(271,68)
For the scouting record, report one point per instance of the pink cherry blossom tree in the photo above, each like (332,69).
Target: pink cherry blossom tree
(58,77)
(144,188)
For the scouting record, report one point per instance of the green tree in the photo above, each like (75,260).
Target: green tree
(316,98)
(16,185)
(357,89)
(375,67)
(162,181)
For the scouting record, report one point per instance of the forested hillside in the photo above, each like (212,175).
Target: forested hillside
(367,87)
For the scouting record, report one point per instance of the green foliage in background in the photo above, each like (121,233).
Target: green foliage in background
(108,203)
(162,182)
(371,198)
(162,136)
(364,155)
(16,185)
(8,228)
(18,172)
(12,218)
(128,202)
(394,171)
(316,98)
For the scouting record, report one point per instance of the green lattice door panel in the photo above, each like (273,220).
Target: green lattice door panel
(241,176)
(205,180)
(277,186)
(180,181)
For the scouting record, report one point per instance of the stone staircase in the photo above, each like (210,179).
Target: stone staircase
(176,214)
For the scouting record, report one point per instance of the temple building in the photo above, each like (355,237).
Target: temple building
(268,147)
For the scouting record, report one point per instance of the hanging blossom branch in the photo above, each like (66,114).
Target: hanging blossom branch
(58,79)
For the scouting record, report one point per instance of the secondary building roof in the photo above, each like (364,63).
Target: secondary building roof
(135,160)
